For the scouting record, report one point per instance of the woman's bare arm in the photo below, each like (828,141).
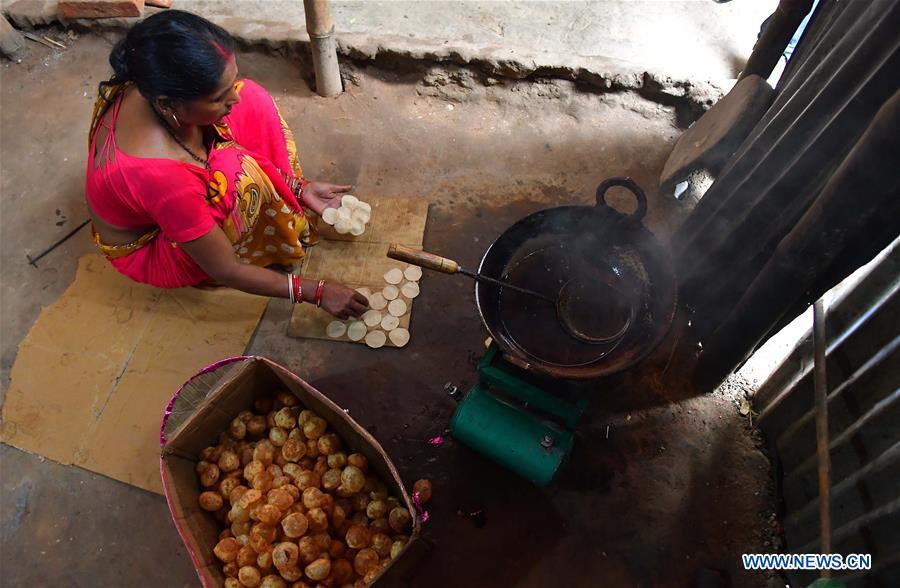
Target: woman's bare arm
(213,253)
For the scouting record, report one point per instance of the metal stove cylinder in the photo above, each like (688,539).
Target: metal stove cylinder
(516,439)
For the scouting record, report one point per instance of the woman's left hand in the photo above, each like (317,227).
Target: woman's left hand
(317,196)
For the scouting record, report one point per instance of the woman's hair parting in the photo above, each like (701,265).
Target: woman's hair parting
(172,53)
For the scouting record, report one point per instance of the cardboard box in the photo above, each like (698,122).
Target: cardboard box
(213,398)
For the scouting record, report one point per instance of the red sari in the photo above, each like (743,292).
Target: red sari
(242,190)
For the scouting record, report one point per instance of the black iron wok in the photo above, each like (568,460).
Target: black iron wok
(543,251)
(562,272)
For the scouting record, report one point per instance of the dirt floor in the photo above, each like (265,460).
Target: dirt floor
(662,482)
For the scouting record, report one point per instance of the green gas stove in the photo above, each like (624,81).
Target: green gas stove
(523,421)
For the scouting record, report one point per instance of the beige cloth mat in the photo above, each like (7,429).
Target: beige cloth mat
(93,376)
(360,261)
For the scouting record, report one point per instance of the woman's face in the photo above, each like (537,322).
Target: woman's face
(211,108)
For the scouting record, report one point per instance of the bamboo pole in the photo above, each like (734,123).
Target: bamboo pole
(324,47)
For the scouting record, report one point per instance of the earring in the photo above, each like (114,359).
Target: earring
(175,118)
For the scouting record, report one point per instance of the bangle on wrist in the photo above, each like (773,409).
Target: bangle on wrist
(295,183)
(319,290)
(296,289)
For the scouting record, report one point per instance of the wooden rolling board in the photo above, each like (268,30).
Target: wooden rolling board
(350,263)
(309,322)
(360,260)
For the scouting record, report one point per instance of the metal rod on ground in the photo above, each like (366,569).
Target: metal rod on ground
(324,47)
(821,395)
(33,260)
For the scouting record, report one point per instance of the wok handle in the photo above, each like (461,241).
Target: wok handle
(632,187)
(422,259)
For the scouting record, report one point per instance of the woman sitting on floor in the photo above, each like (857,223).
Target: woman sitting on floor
(193,175)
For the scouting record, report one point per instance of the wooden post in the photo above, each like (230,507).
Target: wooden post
(324,47)
(771,44)
(11,42)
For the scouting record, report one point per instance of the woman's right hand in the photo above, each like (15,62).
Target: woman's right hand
(343,302)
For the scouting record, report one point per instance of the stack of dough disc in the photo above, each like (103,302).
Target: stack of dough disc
(352,216)
(381,323)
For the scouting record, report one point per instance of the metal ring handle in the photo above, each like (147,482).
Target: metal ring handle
(632,187)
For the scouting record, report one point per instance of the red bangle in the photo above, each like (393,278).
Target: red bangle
(319,289)
(297,289)
(295,184)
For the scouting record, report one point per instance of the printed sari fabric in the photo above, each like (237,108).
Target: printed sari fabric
(242,191)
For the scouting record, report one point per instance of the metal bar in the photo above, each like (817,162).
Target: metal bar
(824,459)
(503,284)
(320,27)
(851,303)
(847,435)
(887,460)
(853,527)
(864,321)
(863,374)
(66,237)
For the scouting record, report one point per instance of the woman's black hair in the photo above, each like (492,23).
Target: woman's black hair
(172,53)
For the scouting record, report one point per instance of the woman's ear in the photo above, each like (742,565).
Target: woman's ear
(164,105)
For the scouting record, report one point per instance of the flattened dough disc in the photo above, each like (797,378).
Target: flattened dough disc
(377,301)
(330,215)
(397,307)
(390,292)
(410,289)
(390,322)
(394,276)
(356,331)
(336,329)
(413,273)
(399,336)
(372,318)
(342,226)
(376,339)
(364,291)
